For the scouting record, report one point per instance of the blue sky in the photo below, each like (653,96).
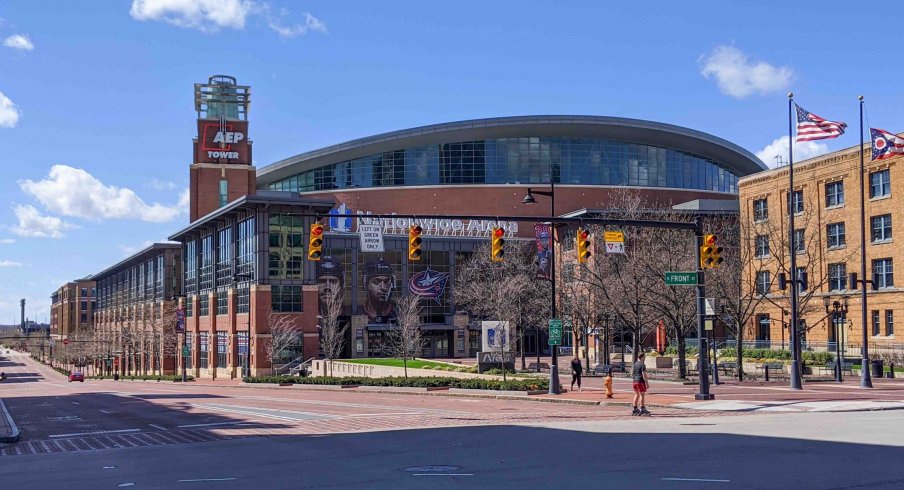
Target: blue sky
(96,111)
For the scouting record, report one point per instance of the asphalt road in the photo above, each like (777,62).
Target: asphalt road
(150,435)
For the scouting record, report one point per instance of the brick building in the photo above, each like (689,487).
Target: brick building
(826,203)
(72,308)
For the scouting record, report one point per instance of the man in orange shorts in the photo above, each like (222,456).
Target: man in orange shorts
(639,377)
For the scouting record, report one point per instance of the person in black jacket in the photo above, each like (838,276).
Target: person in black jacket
(576,370)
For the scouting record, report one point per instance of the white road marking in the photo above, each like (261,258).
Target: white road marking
(697,479)
(207,479)
(75,403)
(105,411)
(126,485)
(158,427)
(121,431)
(211,424)
(109,467)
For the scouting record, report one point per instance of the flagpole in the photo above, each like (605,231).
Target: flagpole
(795,361)
(865,380)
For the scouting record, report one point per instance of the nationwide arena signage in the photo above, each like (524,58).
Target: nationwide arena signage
(451,227)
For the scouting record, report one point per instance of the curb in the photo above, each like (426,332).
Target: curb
(14,430)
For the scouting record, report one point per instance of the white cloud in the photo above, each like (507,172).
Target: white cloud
(204,15)
(10,263)
(311,23)
(9,113)
(802,151)
(19,41)
(738,76)
(6,241)
(161,185)
(33,224)
(128,250)
(71,191)
(184,200)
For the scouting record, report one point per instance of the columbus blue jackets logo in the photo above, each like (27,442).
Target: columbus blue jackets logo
(428,283)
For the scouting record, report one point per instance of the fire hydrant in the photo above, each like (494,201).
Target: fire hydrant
(608,383)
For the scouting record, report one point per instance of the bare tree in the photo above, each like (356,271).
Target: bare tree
(164,336)
(332,328)
(283,334)
(507,291)
(405,337)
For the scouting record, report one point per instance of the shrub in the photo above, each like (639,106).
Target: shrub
(146,377)
(415,382)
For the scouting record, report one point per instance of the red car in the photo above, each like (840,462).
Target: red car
(76,376)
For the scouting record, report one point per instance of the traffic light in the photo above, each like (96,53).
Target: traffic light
(414,242)
(710,253)
(496,250)
(315,242)
(583,245)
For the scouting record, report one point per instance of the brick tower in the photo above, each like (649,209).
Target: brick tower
(221,169)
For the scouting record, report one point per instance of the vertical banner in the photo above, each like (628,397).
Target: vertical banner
(543,233)
(180,320)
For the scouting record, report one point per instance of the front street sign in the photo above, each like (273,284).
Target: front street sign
(681,278)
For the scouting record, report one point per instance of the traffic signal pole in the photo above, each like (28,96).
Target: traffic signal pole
(702,349)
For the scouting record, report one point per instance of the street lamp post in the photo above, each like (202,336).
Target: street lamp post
(554,388)
(606,341)
(837,312)
(865,379)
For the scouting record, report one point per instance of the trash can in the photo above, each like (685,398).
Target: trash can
(878,368)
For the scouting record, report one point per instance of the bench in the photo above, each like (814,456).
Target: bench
(543,366)
(604,369)
(728,367)
(846,366)
(766,367)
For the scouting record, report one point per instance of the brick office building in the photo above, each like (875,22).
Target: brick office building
(826,202)
(72,308)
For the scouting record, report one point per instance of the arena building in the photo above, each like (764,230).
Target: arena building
(244,251)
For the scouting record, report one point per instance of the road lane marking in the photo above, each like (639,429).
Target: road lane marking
(105,411)
(713,480)
(121,431)
(158,427)
(207,479)
(75,403)
(443,474)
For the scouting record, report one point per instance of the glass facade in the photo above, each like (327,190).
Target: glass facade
(529,160)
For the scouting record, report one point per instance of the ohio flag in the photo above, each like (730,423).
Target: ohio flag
(885,144)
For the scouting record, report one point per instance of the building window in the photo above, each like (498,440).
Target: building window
(202,359)
(188,306)
(762,332)
(883,273)
(834,194)
(837,277)
(796,202)
(222,303)
(287,253)
(93,292)
(188,345)
(286,299)
(801,273)
(889,322)
(224,192)
(881,228)
(84,292)
(762,246)
(875,317)
(222,343)
(204,305)
(243,295)
(760,210)
(799,243)
(243,349)
(879,184)
(762,282)
(835,234)
(84,306)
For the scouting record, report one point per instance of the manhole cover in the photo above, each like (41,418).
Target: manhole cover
(435,468)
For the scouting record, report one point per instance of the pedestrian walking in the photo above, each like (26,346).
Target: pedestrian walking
(576,370)
(639,378)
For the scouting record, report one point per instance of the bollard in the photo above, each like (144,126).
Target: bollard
(891,370)
(766,370)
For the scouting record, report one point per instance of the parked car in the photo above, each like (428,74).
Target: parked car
(76,376)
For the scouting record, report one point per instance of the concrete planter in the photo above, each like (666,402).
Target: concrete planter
(664,362)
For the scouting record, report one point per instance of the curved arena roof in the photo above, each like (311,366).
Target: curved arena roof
(615,128)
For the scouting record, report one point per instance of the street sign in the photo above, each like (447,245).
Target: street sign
(681,278)
(371,237)
(615,242)
(708,324)
(185,351)
(555,332)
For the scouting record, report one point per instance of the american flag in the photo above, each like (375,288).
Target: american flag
(812,127)
(885,144)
